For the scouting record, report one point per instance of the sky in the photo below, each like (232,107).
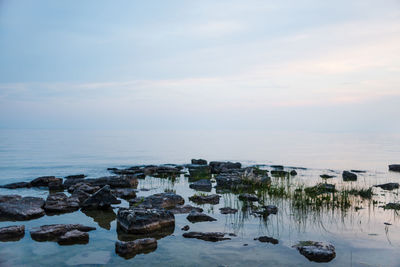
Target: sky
(290,65)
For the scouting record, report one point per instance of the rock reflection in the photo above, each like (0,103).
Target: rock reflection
(103,218)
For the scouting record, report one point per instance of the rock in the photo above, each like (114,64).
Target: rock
(185,209)
(293,173)
(73,237)
(72,181)
(44,181)
(52,232)
(270,209)
(358,171)
(124,193)
(278,167)
(60,203)
(392,206)
(56,185)
(210,199)
(16,185)
(87,188)
(161,200)
(349,176)
(316,251)
(102,199)
(76,176)
(388,186)
(14,207)
(255,176)
(218,166)
(143,221)
(185,228)
(199,161)
(394,167)
(228,210)
(228,179)
(161,171)
(267,239)
(130,249)
(202,185)
(279,173)
(12,233)
(208,236)
(113,182)
(81,196)
(326,176)
(103,218)
(199,172)
(320,189)
(195,216)
(248,197)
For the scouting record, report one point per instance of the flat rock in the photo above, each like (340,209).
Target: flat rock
(326,176)
(388,186)
(219,166)
(267,239)
(143,221)
(12,233)
(207,236)
(202,185)
(52,232)
(102,199)
(113,181)
(73,237)
(349,176)
(199,161)
(44,181)
(209,199)
(75,176)
(124,193)
(316,251)
(394,167)
(185,209)
(60,203)
(248,197)
(130,249)
(158,201)
(14,207)
(228,210)
(16,185)
(195,216)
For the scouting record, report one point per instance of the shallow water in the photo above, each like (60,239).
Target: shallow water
(360,236)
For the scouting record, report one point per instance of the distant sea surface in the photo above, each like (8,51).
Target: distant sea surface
(26,154)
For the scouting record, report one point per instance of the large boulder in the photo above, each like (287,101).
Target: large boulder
(143,221)
(208,236)
(394,167)
(12,233)
(60,203)
(161,200)
(44,181)
(130,249)
(316,251)
(219,166)
(195,216)
(54,231)
(15,207)
(208,199)
(202,185)
(349,176)
(102,199)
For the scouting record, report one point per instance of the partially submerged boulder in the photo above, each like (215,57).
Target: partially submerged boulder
(87,188)
(130,249)
(267,239)
(102,199)
(202,185)
(53,232)
(12,233)
(15,207)
(207,236)
(161,200)
(349,176)
(195,216)
(143,221)
(316,251)
(208,199)
(113,181)
(388,186)
(60,203)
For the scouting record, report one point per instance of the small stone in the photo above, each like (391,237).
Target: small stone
(185,209)
(185,228)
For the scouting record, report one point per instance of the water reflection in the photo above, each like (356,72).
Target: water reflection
(103,218)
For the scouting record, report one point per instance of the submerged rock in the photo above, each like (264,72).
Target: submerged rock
(124,193)
(394,167)
(202,185)
(219,166)
(73,237)
(12,233)
(349,176)
(15,207)
(185,209)
(195,216)
(388,186)
(209,199)
(52,232)
(208,236)
(102,199)
(228,210)
(142,221)
(248,197)
(267,239)
(316,251)
(130,249)
(161,200)
(16,185)
(60,203)
(199,161)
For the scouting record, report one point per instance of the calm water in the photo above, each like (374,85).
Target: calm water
(360,236)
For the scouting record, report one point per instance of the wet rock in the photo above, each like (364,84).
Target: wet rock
(60,203)
(248,197)
(207,236)
(228,210)
(209,199)
(267,239)
(102,199)
(44,181)
(76,176)
(388,186)
(202,185)
(394,167)
(161,200)
(103,218)
(52,232)
(392,206)
(130,249)
(199,161)
(316,251)
(185,228)
(113,181)
(87,188)
(219,166)
(124,193)
(12,233)
(81,196)
(195,216)
(185,209)
(14,207)
(73,237)
(142,221)
(293,173)
(16,185)
(326,176)
(56,185)
(349,176)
